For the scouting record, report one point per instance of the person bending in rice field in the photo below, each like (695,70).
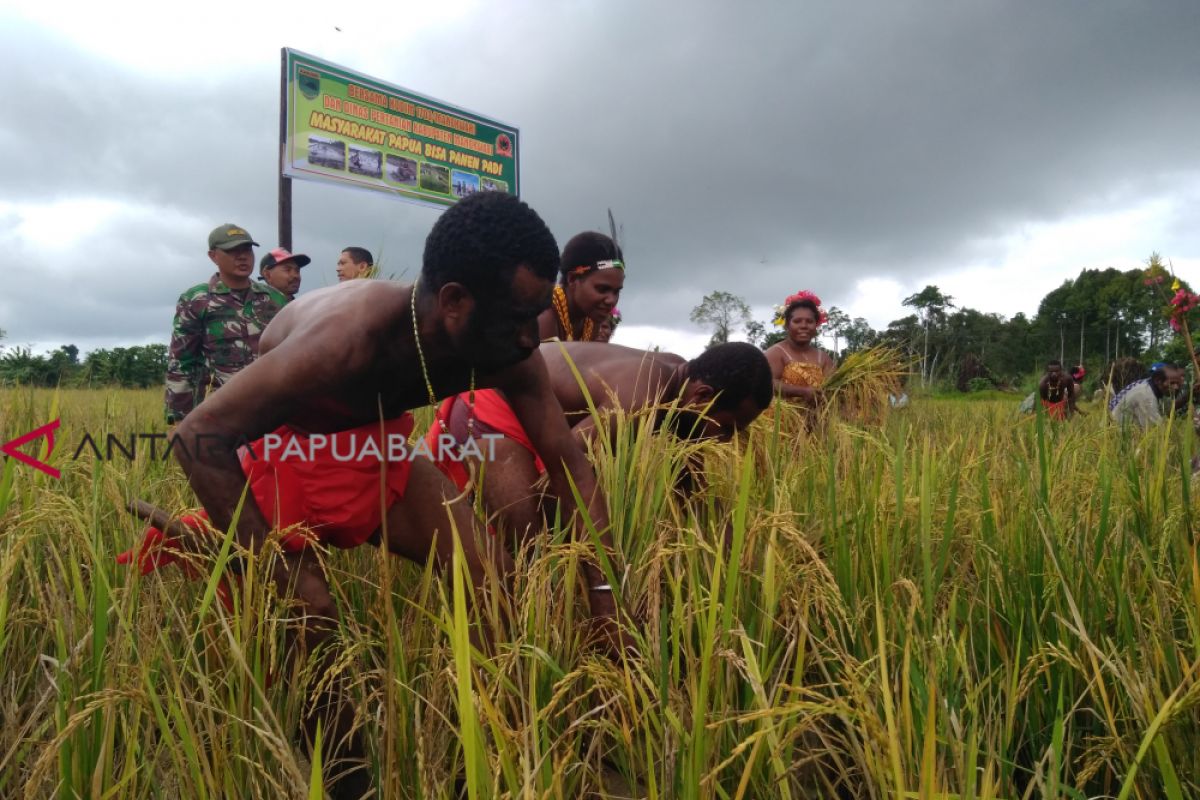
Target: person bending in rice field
(719,394)
(344,366)
(1077,375)
(593,274)
(1147,402)
(798,366)
(1057,392)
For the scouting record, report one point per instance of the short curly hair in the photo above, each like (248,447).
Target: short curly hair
(736,370)
(481,240)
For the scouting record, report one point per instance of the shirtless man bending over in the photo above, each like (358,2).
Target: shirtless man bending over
(351,361)
(734,378)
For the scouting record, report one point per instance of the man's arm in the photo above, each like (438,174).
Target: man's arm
(527,388)
(1180,404)
(1044,387)
(185,359)
(1073,400)
(255,402)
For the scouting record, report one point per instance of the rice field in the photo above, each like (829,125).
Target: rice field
(952,603)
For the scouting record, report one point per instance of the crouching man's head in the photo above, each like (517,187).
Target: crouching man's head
(734,382)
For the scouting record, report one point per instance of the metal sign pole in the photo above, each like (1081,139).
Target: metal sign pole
(285,183)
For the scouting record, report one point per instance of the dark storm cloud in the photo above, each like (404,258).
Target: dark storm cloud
(182,158)
(752,148)
(759,152)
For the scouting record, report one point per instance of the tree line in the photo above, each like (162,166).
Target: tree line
(127,367)
(1095,319)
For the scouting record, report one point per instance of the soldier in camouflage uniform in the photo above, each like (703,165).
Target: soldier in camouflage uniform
(218,323)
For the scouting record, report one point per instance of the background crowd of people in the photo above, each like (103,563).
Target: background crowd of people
(218,323)
(1160,393)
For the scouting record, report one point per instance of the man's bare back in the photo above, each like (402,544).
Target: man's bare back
(615,376)
(357,337)
(711,397)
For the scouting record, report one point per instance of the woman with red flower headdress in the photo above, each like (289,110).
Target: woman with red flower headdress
(798,366)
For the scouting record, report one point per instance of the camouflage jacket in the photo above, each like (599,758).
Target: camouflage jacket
(215,334)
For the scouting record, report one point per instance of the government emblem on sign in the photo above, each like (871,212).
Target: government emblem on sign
(310,83)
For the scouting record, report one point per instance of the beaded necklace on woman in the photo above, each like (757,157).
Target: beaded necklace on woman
(563,310)
(564,318)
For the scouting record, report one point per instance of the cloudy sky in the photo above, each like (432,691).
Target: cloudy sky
(858,149)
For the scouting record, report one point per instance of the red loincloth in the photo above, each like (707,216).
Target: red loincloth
(336,500)
(1057,410)
(493,414)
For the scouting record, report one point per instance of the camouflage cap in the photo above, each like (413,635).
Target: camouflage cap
(229,236)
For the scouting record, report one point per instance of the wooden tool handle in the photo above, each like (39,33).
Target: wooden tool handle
(158,518)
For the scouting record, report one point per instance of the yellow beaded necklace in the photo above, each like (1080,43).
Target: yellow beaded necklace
(429,384)
(564,318)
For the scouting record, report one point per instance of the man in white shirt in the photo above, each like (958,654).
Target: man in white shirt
(1143,403)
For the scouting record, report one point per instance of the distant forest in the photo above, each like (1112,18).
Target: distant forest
(129,367)
(1096,319)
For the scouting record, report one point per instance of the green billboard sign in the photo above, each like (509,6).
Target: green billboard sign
(347,128)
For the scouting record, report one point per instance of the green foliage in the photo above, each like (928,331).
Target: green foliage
(756,333)
(979,385)
(1100,315)
(19,366)
(1175,350)
(127,367)
(774,337)
(836,323)
(724,312)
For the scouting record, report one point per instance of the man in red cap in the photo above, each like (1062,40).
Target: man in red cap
(281,270)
